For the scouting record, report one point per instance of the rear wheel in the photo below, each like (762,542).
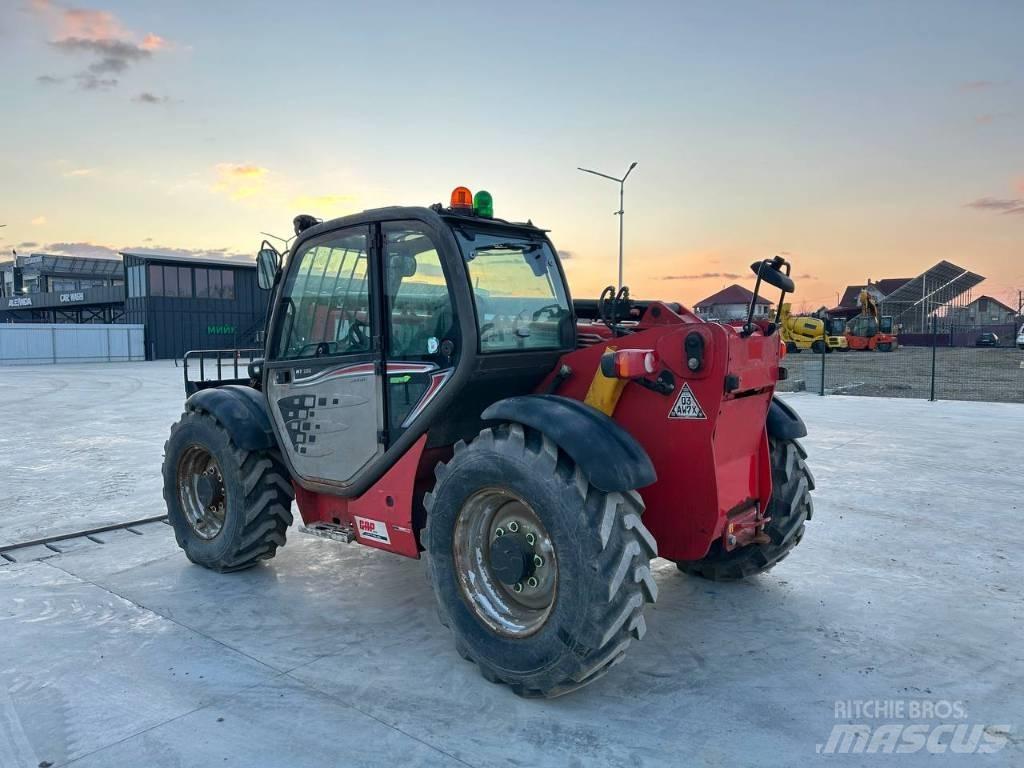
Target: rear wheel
(818,347)
(792,348)
(541,576)
(229,508)
(789,509)
(885,346)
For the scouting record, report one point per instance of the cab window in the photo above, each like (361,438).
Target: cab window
(421,314)
(327,299)
(521,302)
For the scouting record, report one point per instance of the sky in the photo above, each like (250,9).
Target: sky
(863,140)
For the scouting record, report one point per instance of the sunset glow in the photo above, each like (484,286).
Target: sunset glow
(865,141)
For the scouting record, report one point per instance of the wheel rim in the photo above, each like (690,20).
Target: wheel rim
(201,492)
(505,562)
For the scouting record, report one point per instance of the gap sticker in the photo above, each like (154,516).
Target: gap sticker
(374,530)
(686,405)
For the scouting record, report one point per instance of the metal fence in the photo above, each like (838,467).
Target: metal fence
(946,362)
(39,343)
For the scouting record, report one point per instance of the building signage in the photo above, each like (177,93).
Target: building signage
(21,301)
(220,330)
(65,298)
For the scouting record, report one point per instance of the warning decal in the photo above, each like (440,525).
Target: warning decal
(372,529)
(686,405)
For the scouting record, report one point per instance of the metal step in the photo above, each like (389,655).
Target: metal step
(332,531)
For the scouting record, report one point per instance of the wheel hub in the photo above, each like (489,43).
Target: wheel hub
(209,491)
(506,562)
(201,492)
(512,559)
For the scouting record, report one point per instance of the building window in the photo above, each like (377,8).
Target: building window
(215,284)
(156,280)
(184,282)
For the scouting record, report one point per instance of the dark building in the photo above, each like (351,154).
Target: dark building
(42,288)
(189,303)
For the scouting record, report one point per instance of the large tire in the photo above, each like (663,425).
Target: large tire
(251,503)
(818,347)
(885,346)
(789,509)
(600,549)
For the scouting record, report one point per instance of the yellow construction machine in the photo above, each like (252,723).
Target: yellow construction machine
(801,332)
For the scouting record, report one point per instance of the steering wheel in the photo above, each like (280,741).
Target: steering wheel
(356,337)
(552,309)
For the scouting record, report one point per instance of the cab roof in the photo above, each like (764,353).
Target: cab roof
(435,213)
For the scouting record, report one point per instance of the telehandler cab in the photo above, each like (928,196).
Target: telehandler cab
(429,386)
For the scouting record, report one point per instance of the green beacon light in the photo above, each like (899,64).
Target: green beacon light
(483,204)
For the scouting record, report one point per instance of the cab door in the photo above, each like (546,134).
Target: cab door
(324,380)
(421,336)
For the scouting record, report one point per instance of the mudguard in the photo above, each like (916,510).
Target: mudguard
(608,455)
(241,410)
(783,422)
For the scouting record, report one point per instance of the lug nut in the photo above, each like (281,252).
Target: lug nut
(518,587)
(532,581)
(531,539)
(538,561)
(513,526)
(732,540)
(499,532)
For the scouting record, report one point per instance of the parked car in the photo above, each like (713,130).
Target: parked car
(987,340)
(1020,338)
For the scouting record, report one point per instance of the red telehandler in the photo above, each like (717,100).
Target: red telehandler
(427,387)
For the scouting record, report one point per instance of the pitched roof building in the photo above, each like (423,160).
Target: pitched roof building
(732,303)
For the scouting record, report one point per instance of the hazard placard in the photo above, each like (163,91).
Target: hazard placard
(686,405)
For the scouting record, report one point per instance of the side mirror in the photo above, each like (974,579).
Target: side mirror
(770,270)
(403,265)
(268,263)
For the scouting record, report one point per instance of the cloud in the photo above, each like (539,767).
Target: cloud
(1020,185)
(90,250)
(566,255)
(979,85)
(38,221)
(89,82)
(28,244)
(98,251)
(153,42)
(806,277)
(991,118)
(320,202)
(150,98)
(239,181)
(1012,206)
(704,276)
(79,172)
(98,36)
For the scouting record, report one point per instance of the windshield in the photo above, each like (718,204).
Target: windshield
(521,302)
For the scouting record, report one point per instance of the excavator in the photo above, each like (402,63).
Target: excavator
(800,332)
(870,331)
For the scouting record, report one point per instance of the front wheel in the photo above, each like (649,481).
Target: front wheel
(541,576)
(790,507)
(229,507)
(885,346)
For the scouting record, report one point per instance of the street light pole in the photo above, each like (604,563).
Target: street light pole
(621,213)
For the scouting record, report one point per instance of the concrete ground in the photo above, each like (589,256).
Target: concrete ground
(118,652)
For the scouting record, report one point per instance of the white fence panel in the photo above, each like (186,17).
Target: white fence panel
(32,343)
